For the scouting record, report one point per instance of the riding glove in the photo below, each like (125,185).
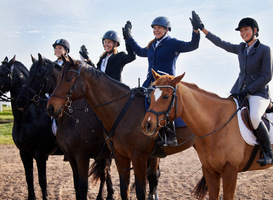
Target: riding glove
(83,52)
(126,30)
(197,21)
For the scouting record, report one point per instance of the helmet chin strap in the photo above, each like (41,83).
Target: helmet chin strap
(251,37)
(161,36)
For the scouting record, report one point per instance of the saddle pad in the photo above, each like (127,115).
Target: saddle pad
(247,135)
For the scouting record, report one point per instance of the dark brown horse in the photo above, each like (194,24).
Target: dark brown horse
(79,131)
(121,111)
(219,144)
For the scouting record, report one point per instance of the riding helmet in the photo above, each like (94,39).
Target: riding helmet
(63,43)
(248,22)
(111,35)
(162,21)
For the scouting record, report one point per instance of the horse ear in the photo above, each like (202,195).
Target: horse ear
(177,79)
(71,60)
(32,58)
(6,59)
(40,59)
(12,61)
(63,58)
(155,75)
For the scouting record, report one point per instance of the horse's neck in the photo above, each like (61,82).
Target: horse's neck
(101,91)
(203,111)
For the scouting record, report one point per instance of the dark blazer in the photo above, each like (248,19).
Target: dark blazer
(163,58)
(116,62)
(255,68)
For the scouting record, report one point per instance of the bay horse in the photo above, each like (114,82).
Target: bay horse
(121,111)
(79,131)
(219,144)
(30,131)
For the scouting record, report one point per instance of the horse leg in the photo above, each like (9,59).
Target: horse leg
(109,184)
(140,162)
(41,166)
(153,177)
(213,183)
(229,176)
(28,165)
(83,168)
(74,168)
(123,165)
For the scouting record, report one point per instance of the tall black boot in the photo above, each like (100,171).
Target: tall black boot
(263,139)
(170,135)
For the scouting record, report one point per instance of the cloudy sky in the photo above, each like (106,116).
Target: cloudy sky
(31,27)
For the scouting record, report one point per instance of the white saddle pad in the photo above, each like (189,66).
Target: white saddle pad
(247,135)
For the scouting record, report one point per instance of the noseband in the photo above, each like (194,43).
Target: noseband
(173,103)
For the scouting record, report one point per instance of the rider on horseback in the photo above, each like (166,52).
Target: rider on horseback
(255,74)
(162,53)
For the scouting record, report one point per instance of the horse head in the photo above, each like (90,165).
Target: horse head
(66,90)
(40,81)
(163,103)
(6,71)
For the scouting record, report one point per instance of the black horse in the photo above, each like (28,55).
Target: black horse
(79,130)
(31,131)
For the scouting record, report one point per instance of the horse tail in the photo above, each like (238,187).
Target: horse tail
(201,189)
(99,169)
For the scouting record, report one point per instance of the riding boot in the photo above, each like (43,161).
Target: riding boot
(263,138)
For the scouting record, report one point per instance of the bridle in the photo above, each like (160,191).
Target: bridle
(8,78)
(173,103)
(37,96)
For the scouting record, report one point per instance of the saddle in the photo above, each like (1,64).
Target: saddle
(246,117)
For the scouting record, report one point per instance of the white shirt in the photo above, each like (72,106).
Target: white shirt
(157,42)
(104,63)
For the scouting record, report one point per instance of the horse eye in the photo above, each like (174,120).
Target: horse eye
(165,97)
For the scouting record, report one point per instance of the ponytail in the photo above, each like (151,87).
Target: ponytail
(150,43)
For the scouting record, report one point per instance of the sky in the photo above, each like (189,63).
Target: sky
(31,27)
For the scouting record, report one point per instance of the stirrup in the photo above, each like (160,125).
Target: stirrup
(266,160)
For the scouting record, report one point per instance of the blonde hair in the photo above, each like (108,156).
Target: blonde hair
(150,43)
(115,51)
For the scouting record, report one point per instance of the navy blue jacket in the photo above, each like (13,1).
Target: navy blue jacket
(163,57)
(255,68)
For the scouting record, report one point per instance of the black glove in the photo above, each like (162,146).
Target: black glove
(126,30)
(83,52)
(197,21)
(194,24)
(243,92)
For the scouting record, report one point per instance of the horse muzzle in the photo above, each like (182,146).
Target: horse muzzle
(56,113)
(148,128)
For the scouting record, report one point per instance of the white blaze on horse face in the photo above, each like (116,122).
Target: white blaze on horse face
(157,94)
(149,119)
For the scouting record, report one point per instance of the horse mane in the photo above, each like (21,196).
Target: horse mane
(195,87)
(22,68)
(101,75)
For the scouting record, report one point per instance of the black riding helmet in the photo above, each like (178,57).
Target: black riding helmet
(111,35)
(63,43)
(162,21)
(248,22)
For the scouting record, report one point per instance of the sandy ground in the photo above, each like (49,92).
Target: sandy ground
(179,175)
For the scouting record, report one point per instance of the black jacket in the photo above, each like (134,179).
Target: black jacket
(116,62)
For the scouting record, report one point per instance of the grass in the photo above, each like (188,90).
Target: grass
(6,119)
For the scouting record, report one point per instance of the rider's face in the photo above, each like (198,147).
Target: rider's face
(59,50)
(108,45)
(159,31)
(247,32)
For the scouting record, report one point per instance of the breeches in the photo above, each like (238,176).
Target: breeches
(257,107)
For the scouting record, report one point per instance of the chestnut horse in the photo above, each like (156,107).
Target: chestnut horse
(219,144)
(109,100)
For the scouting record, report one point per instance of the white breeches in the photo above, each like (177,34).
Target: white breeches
(257,107)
